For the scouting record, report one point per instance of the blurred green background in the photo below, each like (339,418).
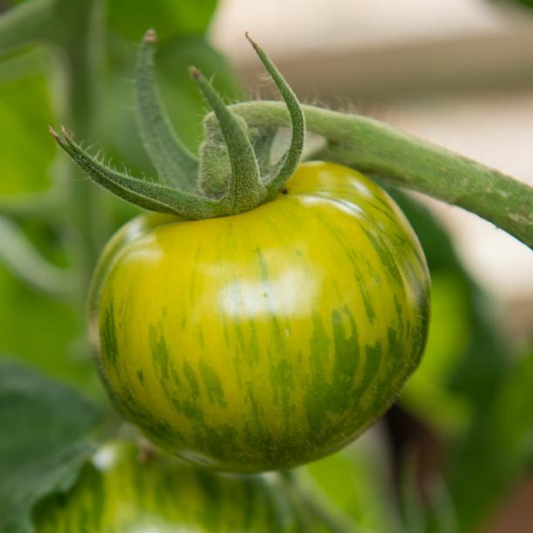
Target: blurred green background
(455,454)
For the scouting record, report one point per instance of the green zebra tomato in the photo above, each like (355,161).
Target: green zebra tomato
(267,339)
(118,493)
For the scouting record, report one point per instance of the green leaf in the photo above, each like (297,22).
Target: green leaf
(45,428)
(132,18)
(496,451)
(486,363)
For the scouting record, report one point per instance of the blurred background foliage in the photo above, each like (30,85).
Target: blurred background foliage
(28,81)
(461,437)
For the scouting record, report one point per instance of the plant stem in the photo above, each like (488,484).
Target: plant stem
(24,25)
(20,256)
(403,160)
(79,46)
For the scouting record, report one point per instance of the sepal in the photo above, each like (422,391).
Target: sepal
(146,194)
(175,164)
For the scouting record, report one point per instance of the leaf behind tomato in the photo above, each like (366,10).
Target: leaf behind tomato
(497,450)
(45,428)
(133,17)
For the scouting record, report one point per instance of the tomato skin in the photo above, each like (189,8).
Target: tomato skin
(116,492)
(268,339)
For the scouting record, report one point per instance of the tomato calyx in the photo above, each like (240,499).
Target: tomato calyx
(234,172)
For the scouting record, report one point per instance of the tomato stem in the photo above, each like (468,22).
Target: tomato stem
(403,160)
(234,173)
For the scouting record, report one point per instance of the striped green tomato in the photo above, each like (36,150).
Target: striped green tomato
(267,339)
(118,494)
